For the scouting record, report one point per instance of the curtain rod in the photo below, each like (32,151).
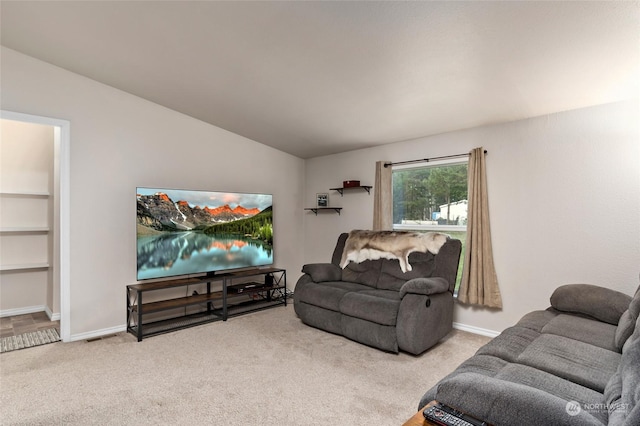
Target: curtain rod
(426,160)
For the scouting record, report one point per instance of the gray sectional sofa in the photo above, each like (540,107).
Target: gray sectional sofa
(576,363)
(375,303)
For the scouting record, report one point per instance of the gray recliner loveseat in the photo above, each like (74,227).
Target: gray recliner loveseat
(375,303)
(576,363)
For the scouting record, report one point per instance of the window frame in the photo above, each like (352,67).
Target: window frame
(437,228)
(430,164)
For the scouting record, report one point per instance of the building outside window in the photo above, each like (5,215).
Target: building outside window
(432,198)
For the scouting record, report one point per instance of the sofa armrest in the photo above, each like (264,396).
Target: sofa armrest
(425,286)
(320,272)
(597,302)
(501,402)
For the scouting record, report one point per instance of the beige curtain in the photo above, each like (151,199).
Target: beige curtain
(382,201)
(479,284)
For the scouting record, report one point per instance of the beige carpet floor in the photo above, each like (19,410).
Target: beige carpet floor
(265,368)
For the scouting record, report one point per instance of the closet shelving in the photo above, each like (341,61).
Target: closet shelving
(18,231)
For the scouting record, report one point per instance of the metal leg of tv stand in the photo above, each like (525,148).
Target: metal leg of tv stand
(224,299)
(139,297)
(209,304)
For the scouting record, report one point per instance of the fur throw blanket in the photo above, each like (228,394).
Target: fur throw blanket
(372,245)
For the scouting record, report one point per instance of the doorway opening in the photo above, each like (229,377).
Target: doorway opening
(24,190)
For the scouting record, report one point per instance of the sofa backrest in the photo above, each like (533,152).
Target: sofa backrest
(447,262)
(391,276)
(337,252)
(367,272)
(622,393)
(386,274)
(627,322)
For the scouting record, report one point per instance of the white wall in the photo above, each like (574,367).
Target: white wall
(118,142)
(551,182)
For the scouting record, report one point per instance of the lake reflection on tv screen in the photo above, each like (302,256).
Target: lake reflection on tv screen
(192,252)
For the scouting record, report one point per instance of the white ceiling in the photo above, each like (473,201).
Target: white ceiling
(315,78)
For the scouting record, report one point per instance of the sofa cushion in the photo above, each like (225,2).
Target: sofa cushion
(554,385)
(392,277)
(369,333)
(537,320)
(321,272)
(501,402)
(509,344)
(579,362)
(485,365)
(366,272)
(327,294)
(378,306)
(321,318)
(627,322)
(586,330)
(600,303)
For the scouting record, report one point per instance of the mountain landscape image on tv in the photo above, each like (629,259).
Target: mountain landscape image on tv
(182,232)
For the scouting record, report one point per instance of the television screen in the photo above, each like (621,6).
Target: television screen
(188,232)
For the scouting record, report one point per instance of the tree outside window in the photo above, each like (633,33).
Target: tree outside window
(432,198)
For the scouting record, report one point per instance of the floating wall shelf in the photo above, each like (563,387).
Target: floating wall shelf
(341,190)
(316,209)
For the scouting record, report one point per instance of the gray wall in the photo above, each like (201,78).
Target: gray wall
(563,190)
(118,142)
(564,200)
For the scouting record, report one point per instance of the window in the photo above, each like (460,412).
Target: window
(432,198)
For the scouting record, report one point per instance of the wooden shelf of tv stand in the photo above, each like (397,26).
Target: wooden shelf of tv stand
(180,302)
(235,302)
(137,309)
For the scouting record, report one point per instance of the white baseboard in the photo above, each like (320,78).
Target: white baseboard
(21,311)
(96,334)
(119,329)
(475,330)
(52,316)
(30,310)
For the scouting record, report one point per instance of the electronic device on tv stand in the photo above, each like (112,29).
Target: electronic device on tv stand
(185,232)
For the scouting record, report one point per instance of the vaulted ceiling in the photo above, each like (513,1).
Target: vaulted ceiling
(316,78)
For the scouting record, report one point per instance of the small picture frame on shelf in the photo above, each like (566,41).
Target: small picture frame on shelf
(322,200)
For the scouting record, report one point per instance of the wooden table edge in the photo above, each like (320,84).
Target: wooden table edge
(418,418)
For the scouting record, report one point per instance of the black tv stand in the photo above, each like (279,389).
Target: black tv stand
(154,308)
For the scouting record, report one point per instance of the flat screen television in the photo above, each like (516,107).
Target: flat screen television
(184,232)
